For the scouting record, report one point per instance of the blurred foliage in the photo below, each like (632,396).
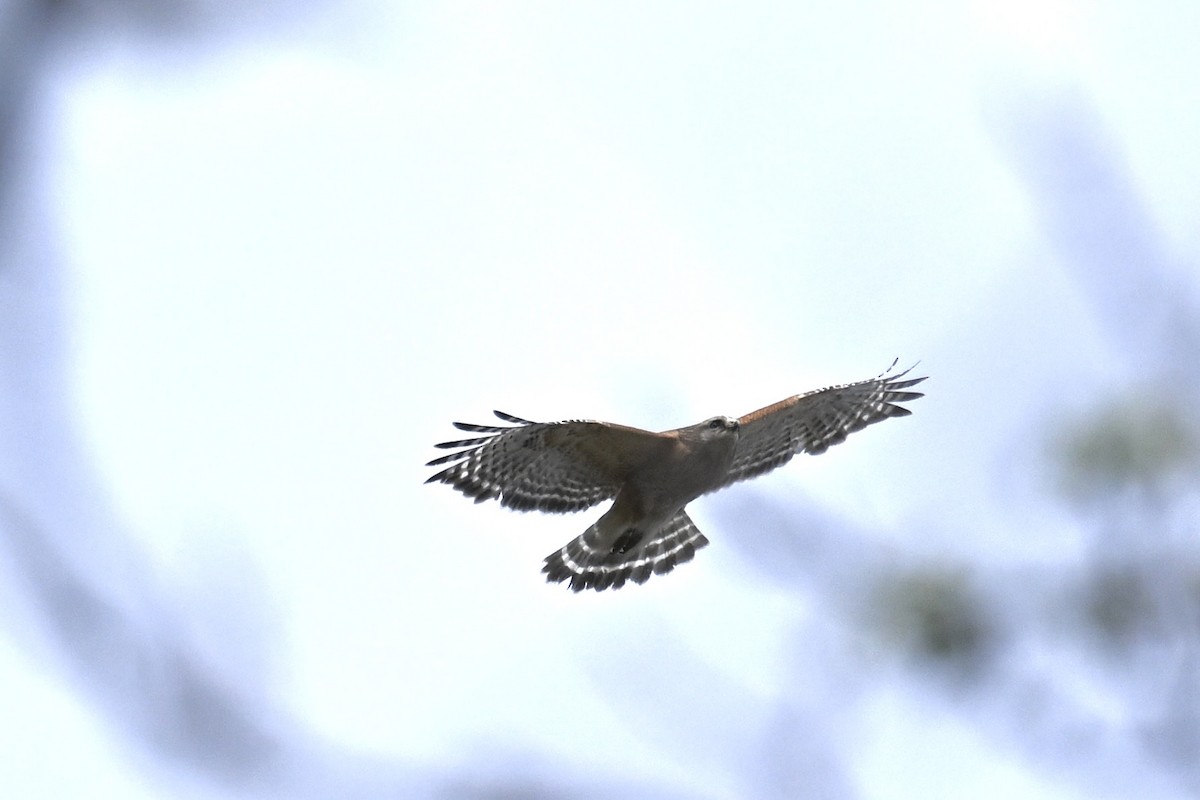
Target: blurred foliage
(934,616)
(1142,442)
(1134,461)
(1120,604)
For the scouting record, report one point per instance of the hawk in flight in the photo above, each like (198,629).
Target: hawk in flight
(573,465)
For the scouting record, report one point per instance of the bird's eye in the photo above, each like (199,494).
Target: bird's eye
(715,423)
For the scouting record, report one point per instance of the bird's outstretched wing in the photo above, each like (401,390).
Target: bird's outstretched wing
(545,466)
(813,422)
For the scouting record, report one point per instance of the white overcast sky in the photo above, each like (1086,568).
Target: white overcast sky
(292,258)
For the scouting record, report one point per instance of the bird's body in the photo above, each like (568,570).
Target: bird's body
(651,477)
(689,462)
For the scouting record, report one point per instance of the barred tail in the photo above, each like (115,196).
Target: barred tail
(595,561)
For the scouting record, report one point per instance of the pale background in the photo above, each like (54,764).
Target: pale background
(256,257)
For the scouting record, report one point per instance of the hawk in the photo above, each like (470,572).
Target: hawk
(651,477)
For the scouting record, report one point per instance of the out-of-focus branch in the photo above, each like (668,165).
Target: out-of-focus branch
(26,28)
(1146,299)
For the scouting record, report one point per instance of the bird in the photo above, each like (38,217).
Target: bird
(651,477)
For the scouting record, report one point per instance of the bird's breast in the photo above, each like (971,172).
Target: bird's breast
(664,485)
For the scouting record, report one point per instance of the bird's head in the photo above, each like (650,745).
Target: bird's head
(715,427)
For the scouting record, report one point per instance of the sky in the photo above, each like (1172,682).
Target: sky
(289,256)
